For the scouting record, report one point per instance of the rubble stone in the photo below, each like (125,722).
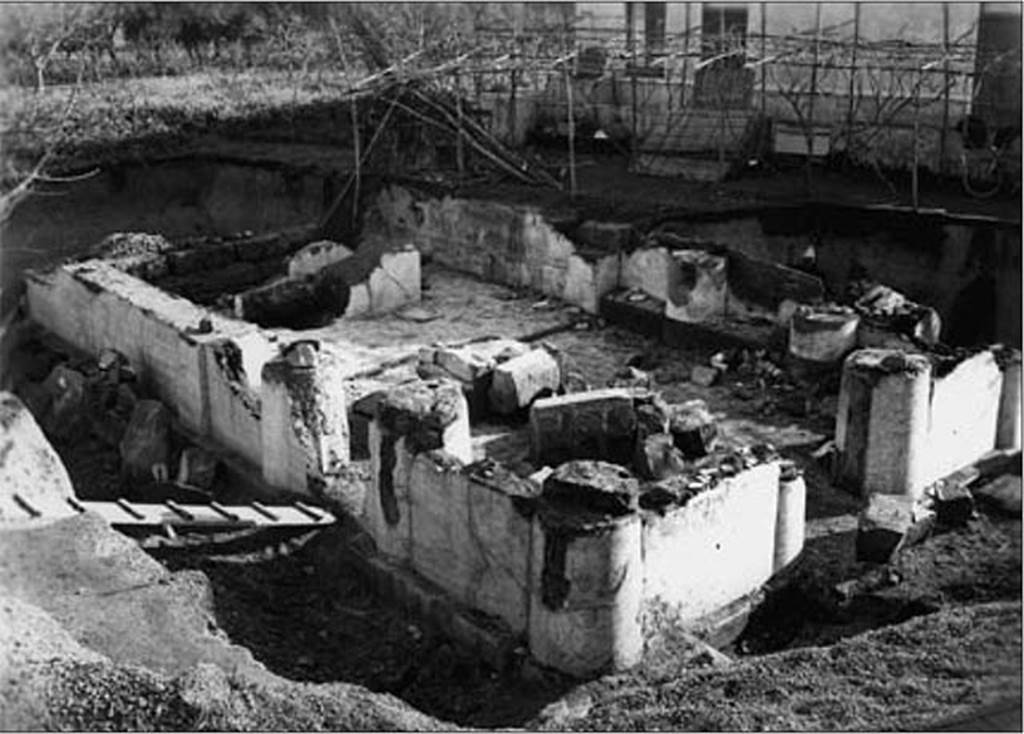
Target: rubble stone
(1002,494)
(520,380)
(66,402)
(704,375)
(657,457)
(697,290)
(693,429)
(594,485)
(890,521)
(197,467)
(315,256)
(146,446)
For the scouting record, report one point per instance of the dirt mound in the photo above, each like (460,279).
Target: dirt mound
(907,676)
(95,634)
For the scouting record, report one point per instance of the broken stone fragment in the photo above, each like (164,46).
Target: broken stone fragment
(631,377)
(951,499)
(315,256)
(890,522)
(473,365)
(652,416)
(197,467)
(657,457)
(146,446)
(66,400)
(693,429)
(593,485)
(697,287)
(704,375)
(519,381)
(1003,494)
(430,415)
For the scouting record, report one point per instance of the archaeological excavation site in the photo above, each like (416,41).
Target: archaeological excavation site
(558,381)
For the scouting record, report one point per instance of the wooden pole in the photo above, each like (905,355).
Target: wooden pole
(513,80)
(917,132)
(358,156)
(946,86)
(813,94)
(853,73)
(460,153)
(764,54)
(631,41)
(572,130)
(686,59)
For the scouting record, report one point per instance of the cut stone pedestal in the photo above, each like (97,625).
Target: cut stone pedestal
(882,422)
(586,592)
(303,420)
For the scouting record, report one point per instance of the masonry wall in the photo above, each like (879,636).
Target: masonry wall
(968,270)
(206,368)
(714,549)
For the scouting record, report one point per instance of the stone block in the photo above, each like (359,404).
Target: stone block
(607,236)
(1008,432)
(634,310)
(647,269)
(232,370)
(303,418)
(593,486)
(294,303)
(882,423)
(442,548)
(790,522)
(197,468)
(395,282)
(587,425)
(965,399)
(473,365)
(823,334)
(588,280)
(430,415)
(387,511)
(146,446)
(29,466)
(470,530)
(729,528)
(66,411)
(704,375)
(519,381)
(586,592)
(697,289)
(315,256)
(500,516)
(199,259)
(693,428)
(891,321)
(1002,494)
(657,457)
(760,286)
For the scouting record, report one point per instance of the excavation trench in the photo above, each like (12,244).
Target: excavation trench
(306,605)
